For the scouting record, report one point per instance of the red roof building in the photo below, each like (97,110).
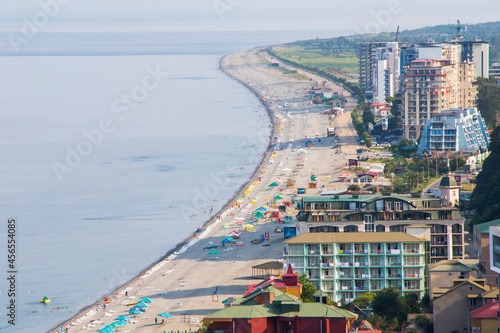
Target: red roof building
(485,318)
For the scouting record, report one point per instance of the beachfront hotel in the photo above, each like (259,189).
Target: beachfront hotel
(347,265)
(436,219)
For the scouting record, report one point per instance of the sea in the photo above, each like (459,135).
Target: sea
(115,147)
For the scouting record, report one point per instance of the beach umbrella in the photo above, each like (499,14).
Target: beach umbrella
(214,252)
(119,323)
(124,318)
(107,329)
(142,304)
(278,197)
(165,315)
(134,311)
(147,300)
(138,308)
(239,222)
(274,184)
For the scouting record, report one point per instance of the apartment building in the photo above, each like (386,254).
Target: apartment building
(346,265)
(455,130)
(379,68)
(435,219)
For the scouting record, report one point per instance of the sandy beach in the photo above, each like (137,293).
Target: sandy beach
(183,284)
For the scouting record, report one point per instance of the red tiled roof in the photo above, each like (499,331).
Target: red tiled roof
(385,108)
(377,104)
(489,310)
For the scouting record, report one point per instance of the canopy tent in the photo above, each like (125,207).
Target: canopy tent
(147,300)
(262,209)
(258,214)
(165,315)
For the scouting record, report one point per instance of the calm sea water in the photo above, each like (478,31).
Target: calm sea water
(102,185)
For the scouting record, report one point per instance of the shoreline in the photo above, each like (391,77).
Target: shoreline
(208,225)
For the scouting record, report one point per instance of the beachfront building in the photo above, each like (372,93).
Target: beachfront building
(495,250)
(379,68)
(438,80)
(435,219)
(456,130)
(267,308)
(347,265)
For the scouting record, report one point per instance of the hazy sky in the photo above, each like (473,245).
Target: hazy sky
(206,15)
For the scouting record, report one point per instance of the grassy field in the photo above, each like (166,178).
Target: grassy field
(339,65)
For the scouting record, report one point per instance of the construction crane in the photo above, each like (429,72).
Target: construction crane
(397,34)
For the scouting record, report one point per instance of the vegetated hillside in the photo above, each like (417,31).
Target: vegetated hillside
(485,198)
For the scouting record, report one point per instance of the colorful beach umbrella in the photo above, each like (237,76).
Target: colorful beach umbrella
(165,315)
(278,197)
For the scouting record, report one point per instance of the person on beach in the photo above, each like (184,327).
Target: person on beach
(156,320)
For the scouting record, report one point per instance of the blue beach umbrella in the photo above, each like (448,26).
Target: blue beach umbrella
(107,329)
(142,304)
(124,318)
(165,315)
(147,300)
(119,323)
(134,311)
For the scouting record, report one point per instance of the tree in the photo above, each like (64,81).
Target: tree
(425,323)
(411,303)
(308,289)
(354,187)
(364,300)
(488,100)
(388,303)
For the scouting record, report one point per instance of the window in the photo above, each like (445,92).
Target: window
(397,205)
(426,204)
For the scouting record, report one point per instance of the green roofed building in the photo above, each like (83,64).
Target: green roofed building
(270,310)
(436,219)
(348,264)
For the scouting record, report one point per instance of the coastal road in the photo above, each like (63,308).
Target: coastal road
(344,127)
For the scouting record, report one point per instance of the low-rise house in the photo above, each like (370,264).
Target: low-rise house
(443,274)
(481,250)
(452,309)
(266,309)
(485,318)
